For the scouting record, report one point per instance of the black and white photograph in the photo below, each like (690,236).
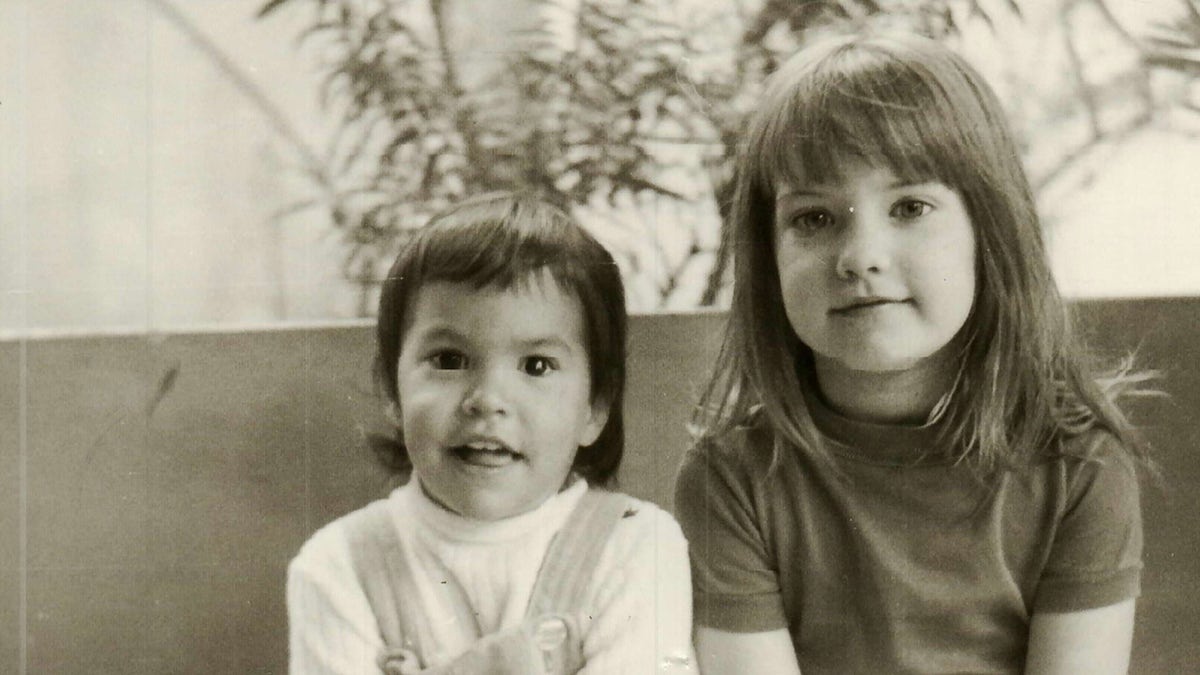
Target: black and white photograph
(544,337)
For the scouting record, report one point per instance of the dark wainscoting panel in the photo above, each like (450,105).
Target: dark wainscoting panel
(156,487)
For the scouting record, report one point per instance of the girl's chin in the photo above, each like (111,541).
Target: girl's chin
(887,358)
(876,364)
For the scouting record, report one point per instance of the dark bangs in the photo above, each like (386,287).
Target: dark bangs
(496,244)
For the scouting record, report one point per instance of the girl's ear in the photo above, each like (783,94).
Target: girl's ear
(597,418)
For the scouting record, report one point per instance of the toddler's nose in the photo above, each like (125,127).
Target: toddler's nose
(485,396)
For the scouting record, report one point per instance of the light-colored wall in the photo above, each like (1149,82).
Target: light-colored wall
(140,187)
(140,184)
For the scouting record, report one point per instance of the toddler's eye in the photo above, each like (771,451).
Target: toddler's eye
(538,366)
(448,361)
(812,220)
(908,209)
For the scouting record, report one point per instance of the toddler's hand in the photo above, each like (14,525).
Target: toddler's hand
(400,661)
(547,645)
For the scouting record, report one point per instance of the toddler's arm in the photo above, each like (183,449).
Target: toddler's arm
(331,628)
(643,614)
(548,645)
(1088,641)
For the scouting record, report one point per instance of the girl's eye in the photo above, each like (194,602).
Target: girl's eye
(538,366)
(909,209)
(812,220)
(448,361)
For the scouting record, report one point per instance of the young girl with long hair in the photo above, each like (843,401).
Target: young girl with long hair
(904,462)
(501,354)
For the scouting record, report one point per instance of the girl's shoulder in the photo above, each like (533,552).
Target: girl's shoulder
(1096,465)
(745,447)
(1096,447)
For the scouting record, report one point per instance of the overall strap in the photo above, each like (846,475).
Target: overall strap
(378,562)
(574,552)
(381,563)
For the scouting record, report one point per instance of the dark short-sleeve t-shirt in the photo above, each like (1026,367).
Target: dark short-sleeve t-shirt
(891,560)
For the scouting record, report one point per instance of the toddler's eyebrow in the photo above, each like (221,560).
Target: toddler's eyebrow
(441,333)
(546,342)
(531,343)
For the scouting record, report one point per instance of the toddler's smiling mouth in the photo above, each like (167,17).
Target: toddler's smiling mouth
(491,454)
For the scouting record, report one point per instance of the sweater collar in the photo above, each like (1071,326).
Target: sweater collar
(452,526)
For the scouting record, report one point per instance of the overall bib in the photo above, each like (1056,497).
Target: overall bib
(547,642)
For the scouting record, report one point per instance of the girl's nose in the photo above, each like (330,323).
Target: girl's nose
(864,248)
(485,397)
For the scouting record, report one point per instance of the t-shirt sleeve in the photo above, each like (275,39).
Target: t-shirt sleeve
(1096,557)
(331,628)
(734,578)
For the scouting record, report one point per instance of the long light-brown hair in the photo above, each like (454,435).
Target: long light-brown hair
(912,105)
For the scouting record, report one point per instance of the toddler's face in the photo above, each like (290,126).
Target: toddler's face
(876,274)
(495,394)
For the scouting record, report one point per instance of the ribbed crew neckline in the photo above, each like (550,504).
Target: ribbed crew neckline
(890,444)
(451,526)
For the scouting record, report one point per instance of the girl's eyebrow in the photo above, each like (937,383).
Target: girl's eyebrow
(787,193)
(919,183)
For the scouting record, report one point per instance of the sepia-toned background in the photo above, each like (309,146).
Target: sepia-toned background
(196,197)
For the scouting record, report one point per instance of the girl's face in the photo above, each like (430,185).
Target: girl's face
(877,275)
(495,394)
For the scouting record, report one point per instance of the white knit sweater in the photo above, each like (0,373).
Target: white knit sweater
(641,589)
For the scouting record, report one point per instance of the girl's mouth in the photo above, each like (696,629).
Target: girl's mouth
(864,304)
(487,454)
